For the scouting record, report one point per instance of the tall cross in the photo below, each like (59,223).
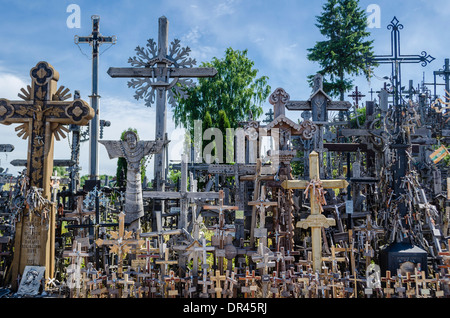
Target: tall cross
(160,68)
(396,58)
(42,114)
(357,96)
(316,221)
(445,73)
(262,203)
(95,39)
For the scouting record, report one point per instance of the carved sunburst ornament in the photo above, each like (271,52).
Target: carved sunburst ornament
(146,88)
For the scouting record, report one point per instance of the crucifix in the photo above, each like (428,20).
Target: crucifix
(316,221)
(164,71)
(42,114)
(396,58)
(95,39)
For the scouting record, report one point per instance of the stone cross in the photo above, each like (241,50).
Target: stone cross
(160,68)
(41,115)
(133,151)
(316,221)
(121,242)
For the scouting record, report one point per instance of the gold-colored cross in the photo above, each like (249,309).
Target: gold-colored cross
(121,242)
(316,221)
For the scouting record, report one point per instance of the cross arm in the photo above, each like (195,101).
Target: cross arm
(150,72)
(303,184)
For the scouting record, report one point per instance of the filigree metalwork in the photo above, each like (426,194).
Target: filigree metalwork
(151,57)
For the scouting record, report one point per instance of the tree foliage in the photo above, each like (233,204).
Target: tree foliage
(235,89)
(346,50)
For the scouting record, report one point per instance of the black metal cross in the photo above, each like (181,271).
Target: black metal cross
(269,117)
(396,58)
(445,73)
(357,96)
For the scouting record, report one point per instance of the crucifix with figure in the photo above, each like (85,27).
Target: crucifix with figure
(161,72)
(41,115)
(316,220)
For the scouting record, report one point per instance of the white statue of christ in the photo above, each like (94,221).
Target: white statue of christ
(133,151)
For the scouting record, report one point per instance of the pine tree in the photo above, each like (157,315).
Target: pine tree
(346,50)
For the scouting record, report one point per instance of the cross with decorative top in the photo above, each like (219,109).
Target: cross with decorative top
(357,96)
(121,242)
(316,221)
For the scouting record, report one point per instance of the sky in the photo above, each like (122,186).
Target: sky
(276,35)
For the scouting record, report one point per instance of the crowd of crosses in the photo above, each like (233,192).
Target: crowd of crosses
(367,217)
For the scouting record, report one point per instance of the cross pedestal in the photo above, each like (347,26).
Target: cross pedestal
(316,221)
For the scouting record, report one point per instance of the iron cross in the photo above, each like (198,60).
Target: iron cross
(396,58)
(357,96)
(95,39)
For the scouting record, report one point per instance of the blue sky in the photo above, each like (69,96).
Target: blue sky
(277,35)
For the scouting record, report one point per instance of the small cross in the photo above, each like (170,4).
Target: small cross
(356,95)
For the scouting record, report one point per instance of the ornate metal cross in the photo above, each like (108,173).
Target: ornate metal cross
(396,58)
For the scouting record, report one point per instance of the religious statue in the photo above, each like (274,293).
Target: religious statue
(133,151)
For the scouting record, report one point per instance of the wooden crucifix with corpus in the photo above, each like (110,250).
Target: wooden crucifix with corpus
(41,113)
(316,221)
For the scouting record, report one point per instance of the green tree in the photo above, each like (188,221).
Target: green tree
(235,89)
(346,50)
(121,171)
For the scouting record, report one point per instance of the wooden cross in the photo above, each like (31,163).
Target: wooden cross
(253,287)
(262,203)
(230,282)
(188,281)
(41,115)
(218,279)
(205,282)
(171,280)
(121,242)
(149,255)
(265,258)
(316,221)
(388,280)
(79,213)
(161,72)
(166,262)
(221,228)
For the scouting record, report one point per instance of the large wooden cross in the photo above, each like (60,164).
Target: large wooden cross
(41,115)
(316,220)
(160,72)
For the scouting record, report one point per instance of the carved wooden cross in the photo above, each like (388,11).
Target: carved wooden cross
(165,262)
(253,287)
(156,76)
(218,279)
(171,279)
(262,203)
(149,255)
(41,114)
(221,228)
(316,221)
(121,242)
